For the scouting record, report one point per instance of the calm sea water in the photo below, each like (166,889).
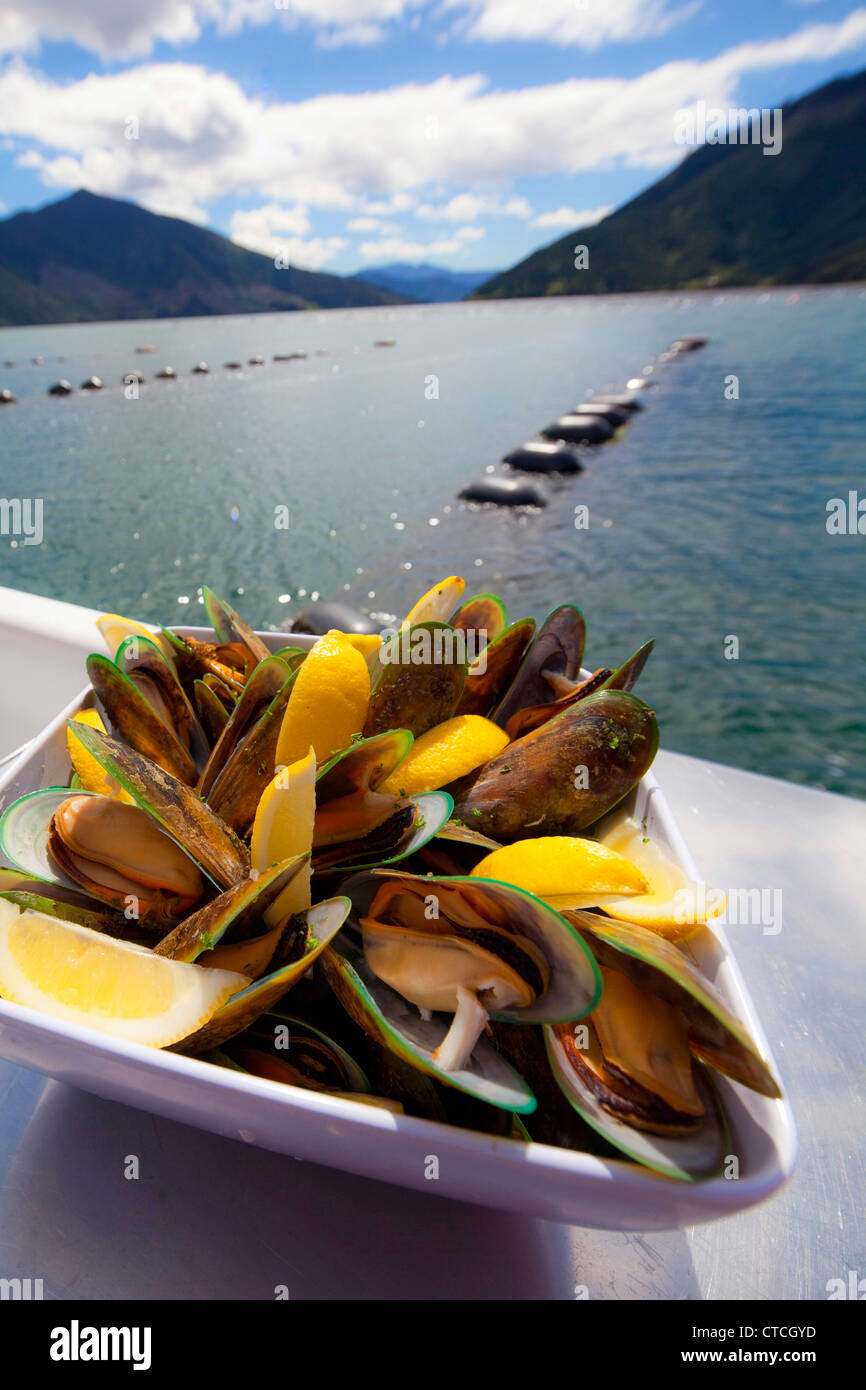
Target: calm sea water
(706,521)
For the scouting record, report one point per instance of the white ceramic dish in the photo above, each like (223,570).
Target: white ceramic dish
(533,1179)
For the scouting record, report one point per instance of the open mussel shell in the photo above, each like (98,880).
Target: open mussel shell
(174,806)
(69,905)
(281,1047)
(264,684)
(230,627)
(133,717)
(321,922)
(238,909)
(484,615)
(24,832)
(211,711)
(564,776)
(417,679)
(573,985)
(399,1027)
(624,678)
(236,793)
(550,666)
(659,967)
(699,1154)
(356,824)
(154,675)
(490,676)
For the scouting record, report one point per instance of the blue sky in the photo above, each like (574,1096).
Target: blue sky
(353,132)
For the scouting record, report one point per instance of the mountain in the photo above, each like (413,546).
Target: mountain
(92,258)
(434,284)
(729,215)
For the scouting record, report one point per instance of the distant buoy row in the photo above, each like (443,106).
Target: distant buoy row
(554,450)
(95,383)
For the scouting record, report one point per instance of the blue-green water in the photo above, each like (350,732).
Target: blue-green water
(706,521)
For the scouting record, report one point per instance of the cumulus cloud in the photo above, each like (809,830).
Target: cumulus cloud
(398,249)
(568,22)
(265,228)
(466,207)
(130,29)
(571,217)
(372,224)
(199,137)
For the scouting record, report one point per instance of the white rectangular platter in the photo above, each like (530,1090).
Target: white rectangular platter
(533,1179)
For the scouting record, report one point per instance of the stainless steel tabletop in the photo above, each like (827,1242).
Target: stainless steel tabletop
(214,1218)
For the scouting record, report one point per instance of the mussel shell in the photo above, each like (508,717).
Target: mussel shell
(656,965)
(535,786)
(324,920)
(230,627)
(174,806)
(415,821)
(68,905)
(238,908)
(501,661)
(484,615)
(135,720)
(238,789)
(687,1156)
(139,657)
(558,649)
(311,1060)
(415,696)
(24,832)
(625,677)
(264,684)
(398,1026)
(556,1121)
(574,985)
(211,711)
(533,716)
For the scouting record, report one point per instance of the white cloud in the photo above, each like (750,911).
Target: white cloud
(565,22)
(131,28)
(470,233)
(466,207)
(201,137)
(571,217)
(372,224)
(265,228)
(312,254)
(398,249)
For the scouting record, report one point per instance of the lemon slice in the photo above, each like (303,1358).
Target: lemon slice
(567,872)
(82,976)
(116,629)
(328,703)
(283,827)
(363,642)
(438,603)
(447,751)
(674,906)
(92,777)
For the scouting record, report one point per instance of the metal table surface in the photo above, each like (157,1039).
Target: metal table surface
(214,1218)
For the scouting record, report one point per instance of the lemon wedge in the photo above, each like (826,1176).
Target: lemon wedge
(116,629)
(564,870)
(328,703)
(447,751)
(283,827)
(438,603)
(81,976)
(674,905)
(92,777)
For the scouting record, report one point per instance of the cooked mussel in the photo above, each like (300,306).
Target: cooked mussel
(466,948)
(562,777)
(117,854)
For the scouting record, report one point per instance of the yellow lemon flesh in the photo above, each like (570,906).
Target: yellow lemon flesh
(92,777)
(564,870)
(673,906)
(82,976)
(328,703)
(447,751)
(282,828)
(116,629)
(438,603)
(363,642)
